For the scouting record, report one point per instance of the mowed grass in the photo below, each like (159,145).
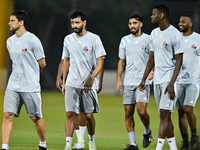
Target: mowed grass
(110,134)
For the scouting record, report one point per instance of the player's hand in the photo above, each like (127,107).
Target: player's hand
(63,89)
(119,86)
(88,84)
(59,83)
(151,75)
(142,86)
(170,90)
(100,88)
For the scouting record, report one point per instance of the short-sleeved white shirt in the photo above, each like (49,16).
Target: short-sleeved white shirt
(190,73)
(165,45)
(24,52)
(83,53)
(136,51)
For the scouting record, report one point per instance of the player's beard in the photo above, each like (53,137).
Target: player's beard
(184,30)
(135,32)
(14,29)
(79,30)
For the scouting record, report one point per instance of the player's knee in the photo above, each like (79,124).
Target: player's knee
(89,116)
(187,110)
(34,119)
(70,115)
(8,116)
(164,115)
(141,112)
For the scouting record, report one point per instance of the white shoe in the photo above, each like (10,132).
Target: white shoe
(92,147)
(79,145)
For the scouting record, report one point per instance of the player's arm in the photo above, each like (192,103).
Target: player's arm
(89,82)
(59,81)
(120,69)
(100,80)
(42,63)
(149,67)
(65,73)
(170,87)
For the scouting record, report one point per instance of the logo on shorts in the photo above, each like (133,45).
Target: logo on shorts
(194,46)
(165,44)
(144,48)
(85,48)
(24,49)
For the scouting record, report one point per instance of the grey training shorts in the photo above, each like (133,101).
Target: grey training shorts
(163,101)
(133,95)
(187,94)
(13,102)
(77,100)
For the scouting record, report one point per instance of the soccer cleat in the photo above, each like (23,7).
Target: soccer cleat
(3,149)
(131,147)
(184,146)
(42,148)
(194,142)
(147,139)
(92,147)
(80,144)
(67,148)
(75,146)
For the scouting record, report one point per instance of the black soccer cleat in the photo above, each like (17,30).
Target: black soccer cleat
(42,148)
(194,142)
(3,149)
(147,139)
(131,147)
(185,146)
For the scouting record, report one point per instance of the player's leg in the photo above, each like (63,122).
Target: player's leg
(33,103)
(183,123)
(12,107)
(192,94)
(72,109)
(142,99)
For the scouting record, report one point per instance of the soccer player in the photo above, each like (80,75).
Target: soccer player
(134,49)
(83,61)
(80,120)
(28,60)
(188,84)
(166,54)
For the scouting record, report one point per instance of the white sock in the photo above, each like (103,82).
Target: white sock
(5,146)
(77,133)
(147,129)
(69,142)
(160,144)
(91,139)
(82,132)
(43,144)
(172,143)
(132,138)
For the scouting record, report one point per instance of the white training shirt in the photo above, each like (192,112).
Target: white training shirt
(136,51)
(83,53)
(190,73)
(165,45)
(24,52)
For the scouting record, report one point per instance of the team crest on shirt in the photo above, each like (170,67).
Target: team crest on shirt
(193,46)
(85,48)
(165,44)
(144,48)
(24,49)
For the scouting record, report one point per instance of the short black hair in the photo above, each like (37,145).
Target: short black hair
(78,13)
(21,15)
(137,16)
(189,16)
(163,9)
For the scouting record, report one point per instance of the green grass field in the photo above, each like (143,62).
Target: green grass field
(110,134)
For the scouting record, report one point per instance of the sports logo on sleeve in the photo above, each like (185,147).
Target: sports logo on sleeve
(165,44)
(193,46)
(85,48)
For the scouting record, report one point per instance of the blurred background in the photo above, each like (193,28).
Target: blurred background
(49,20)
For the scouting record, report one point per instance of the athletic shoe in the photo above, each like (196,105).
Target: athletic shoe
(131,147)
(42,148)
(184,146)
(67,148)
(194,142)
(79,145)
(3,149)
(147,139)
(92,147)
